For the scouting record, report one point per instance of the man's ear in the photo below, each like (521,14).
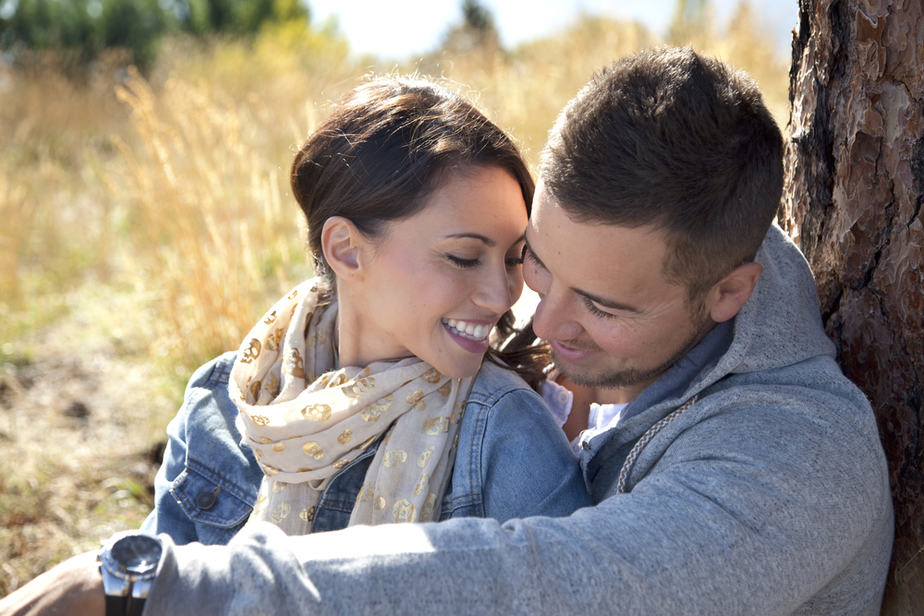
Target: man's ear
(728,295)
(341,243)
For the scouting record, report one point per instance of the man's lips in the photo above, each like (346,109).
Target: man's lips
(569,353)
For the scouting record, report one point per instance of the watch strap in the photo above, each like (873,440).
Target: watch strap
(135,606)
(116,605)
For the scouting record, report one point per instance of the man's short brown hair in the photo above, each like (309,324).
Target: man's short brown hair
(677,141)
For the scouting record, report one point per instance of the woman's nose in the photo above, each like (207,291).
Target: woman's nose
(496,291)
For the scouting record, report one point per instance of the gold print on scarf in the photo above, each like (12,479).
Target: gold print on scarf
(427,512)
(281,512)
(251,352)
(416,401)
(268,319)
(315,338)
(259,420)
(341,463)
(294,294)
(365,493)
(422,484)
(279,447)
(344,437)
(395,457)
(254,388)
(436,425)
(271,384)
(358,387)
(278,486)
(313,449)
(455,418)
(365,444)
(307,515)
(294,364)
(383,404)
(445,388)
(424,458)
(331,379)
(403,511)
(380,503)
(272,342)
(432,376)
(316,412)
(371,414)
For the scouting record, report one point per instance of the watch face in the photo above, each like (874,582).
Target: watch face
(137,553)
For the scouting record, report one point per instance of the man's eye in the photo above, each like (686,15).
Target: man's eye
(592,308)
(527,254)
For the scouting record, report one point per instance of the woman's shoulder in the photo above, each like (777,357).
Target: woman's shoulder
(207,406)
(214,373)
(498,386)
(493,379)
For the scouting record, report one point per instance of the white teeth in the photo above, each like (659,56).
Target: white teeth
(469,330)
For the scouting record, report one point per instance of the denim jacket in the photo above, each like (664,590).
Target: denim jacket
(512,461)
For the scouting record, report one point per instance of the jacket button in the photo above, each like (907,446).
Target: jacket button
(207,498)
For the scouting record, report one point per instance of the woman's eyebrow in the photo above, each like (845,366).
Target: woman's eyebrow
(476,236)
(487,240)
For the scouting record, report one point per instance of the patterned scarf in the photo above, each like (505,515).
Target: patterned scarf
(305,419)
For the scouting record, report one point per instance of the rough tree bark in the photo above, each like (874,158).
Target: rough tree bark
(854,189)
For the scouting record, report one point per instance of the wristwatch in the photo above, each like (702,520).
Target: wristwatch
(128,563)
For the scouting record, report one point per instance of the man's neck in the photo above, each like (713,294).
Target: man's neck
(583,396)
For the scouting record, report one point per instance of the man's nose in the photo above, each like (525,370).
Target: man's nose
(554,317)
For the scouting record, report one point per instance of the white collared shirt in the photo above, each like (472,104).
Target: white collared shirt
(602,417)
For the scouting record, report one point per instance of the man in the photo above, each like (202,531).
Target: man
(734,468)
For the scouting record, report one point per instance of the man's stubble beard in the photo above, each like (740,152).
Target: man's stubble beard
(634,376)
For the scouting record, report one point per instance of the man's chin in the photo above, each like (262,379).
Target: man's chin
(581,375)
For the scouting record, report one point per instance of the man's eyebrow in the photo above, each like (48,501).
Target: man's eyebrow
(606,303)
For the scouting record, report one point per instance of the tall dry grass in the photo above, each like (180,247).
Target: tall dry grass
(147,222)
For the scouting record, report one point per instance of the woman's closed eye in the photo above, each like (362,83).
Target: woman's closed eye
(517,260)
(461,262)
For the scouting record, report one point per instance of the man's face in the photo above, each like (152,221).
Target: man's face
(609,314)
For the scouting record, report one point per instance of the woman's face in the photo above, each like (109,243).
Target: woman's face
(435,284)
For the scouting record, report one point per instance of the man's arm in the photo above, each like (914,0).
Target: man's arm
(723,532)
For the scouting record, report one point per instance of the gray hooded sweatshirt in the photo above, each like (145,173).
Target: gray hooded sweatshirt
(748,479)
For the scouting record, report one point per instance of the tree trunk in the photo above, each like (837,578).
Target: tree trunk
(854,189)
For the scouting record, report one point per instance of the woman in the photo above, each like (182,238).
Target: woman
(364,396)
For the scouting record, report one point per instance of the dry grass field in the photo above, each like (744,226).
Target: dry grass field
(146,222)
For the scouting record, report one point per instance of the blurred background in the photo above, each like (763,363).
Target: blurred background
(145,215)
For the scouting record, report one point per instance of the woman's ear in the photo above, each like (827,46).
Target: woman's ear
(341,243)
(728,295)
